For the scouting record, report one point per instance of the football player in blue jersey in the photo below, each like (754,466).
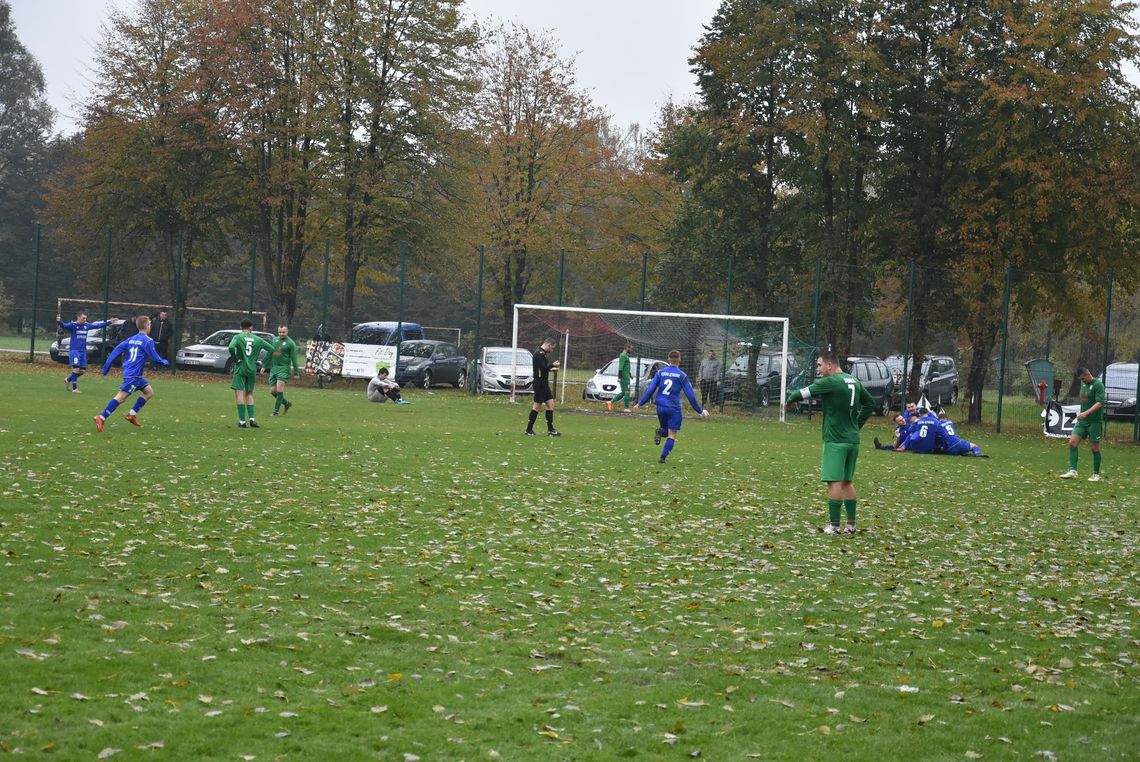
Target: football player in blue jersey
(77,348)
(950,443)
(135,351)
(922,434)
(668,385)
(902,428)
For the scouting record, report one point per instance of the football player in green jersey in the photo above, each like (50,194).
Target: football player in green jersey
(1089,425)
(281,362)
(245,348)
(846,406)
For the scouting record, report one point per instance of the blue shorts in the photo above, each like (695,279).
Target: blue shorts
(670,420)
(132,385)
(961,447)
(77,359)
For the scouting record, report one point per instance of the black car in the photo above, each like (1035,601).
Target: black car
(426,362)
(1120,389)
(876,378)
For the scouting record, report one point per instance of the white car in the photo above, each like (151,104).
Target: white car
(213,353)
(604,385)
(495,369)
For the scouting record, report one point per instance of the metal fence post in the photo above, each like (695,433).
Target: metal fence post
(252,273)
(1004,340)
(473,381)
(400,309)
(177,300)
(724,348)
(906,337)
(35,296)
(1107,320)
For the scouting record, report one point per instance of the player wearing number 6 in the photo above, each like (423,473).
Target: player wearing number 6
(245,348)
(669,383)
(846,406)
(135,351)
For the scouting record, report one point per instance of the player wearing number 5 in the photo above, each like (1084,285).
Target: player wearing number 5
(245,348)
(669,383)
(846,406)
(135,352)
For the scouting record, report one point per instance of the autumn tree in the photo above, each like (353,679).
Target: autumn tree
(537,158)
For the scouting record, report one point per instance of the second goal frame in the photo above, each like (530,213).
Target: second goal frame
(781,322)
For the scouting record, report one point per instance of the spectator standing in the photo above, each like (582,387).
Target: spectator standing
(162,331)
(709,377)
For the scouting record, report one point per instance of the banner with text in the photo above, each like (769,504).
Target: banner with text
(1058,419)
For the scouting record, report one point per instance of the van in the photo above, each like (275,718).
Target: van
(383,333)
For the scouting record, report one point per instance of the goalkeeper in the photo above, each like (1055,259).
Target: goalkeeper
(623,379)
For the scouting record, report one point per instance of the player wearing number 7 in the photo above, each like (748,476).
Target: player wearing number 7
(668,385)
(846,406)
(245,348)
(135,351)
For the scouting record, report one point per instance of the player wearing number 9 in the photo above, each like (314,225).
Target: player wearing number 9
(135,352)
(846,406)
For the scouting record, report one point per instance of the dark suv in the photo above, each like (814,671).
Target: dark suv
(769,366)
(876,378)
(427,362)
(937,378)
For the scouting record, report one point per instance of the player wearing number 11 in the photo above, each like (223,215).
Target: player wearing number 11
(846,406)
(245,348)
(135,352)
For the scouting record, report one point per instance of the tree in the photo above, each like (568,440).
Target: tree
(537,157)
(25,121)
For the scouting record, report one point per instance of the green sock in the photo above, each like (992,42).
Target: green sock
(849,505)
(1096,462)
(241,413)
(1073,458)
(833,509)
(250,409)
(278,402)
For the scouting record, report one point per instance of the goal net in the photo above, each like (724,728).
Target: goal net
(590,340)
(195,323)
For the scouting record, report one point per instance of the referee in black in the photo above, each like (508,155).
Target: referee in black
(543,394)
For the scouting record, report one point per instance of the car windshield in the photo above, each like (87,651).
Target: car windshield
(416,349)
(219,339)
(504,358)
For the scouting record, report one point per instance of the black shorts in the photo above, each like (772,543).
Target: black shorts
(542,391)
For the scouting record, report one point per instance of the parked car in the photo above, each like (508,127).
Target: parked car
(212,352)
(1120,389)
(876,378)
(384,333)
(496,366)
(769,367)
(603,386)
(100,341)
(938,377)
(427,362)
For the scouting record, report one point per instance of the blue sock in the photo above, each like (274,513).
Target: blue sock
(138,405)
(71,379)
(668,448)
(976,450)
(114,403)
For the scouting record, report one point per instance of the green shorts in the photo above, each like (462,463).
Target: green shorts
(276,375)
(1093,431)
(243,382)
(839,461)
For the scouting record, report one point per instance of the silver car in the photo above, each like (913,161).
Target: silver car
(1120,389)
(212,353)
(604,386)
(495,369)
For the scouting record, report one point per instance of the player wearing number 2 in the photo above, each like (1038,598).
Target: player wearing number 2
(135,351)
(245,348)
(846,406)
(669,383)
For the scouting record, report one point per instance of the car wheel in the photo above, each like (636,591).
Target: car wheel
(953,396)
(885,405)
(426,382)
(229,367)
(462,380)
(765,396)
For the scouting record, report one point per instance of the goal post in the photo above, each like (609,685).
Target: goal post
(590,340)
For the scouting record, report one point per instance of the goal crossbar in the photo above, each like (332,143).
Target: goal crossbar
(783,322)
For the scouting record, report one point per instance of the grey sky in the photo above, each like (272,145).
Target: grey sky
(632,55)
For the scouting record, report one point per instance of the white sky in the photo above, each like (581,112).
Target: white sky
(632,55)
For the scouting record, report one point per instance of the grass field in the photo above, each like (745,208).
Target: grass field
(362,581)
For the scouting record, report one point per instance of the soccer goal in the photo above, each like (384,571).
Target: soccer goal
(196,322)
(590,340)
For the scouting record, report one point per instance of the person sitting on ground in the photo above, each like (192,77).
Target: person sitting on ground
(948,441)
(381,389)
(902,427)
